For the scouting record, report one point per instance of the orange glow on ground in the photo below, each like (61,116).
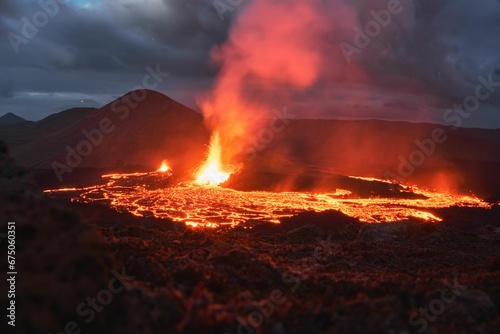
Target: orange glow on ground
(212,172)
(202,206)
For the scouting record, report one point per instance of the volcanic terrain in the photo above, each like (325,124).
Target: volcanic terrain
(297,240)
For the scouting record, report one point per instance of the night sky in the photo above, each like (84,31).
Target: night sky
(90,52)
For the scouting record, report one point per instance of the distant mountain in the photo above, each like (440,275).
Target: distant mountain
(140,128)
(63,119)
(143,128)
(16,134)
(10,118)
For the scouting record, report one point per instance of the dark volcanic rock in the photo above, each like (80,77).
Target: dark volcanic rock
(252,180)
(60,261)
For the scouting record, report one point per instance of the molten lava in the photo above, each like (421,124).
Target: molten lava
(212,172)
(155,195)
(164,167)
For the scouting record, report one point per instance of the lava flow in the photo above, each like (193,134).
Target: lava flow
(156,194)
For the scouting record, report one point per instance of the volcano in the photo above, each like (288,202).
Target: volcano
(113,155)
(182,254)
(159,128)
(284,166)
(151,181)
(309,215)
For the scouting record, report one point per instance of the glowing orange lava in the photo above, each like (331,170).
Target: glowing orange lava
(164,167)
(201,206)
(212,172)
(154,194)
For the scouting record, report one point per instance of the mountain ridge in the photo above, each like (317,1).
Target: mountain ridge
(11,118)
(141,128)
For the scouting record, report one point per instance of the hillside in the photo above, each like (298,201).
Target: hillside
(16,134)
(462,158)
(124,132)
(144,133)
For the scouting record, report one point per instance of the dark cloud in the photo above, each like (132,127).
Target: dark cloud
(445,45)
(10,8)
(75,40)
(6,90)
(437,48)
(106,50)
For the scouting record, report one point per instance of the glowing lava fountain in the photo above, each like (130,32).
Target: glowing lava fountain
(164,167)
(212,172)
